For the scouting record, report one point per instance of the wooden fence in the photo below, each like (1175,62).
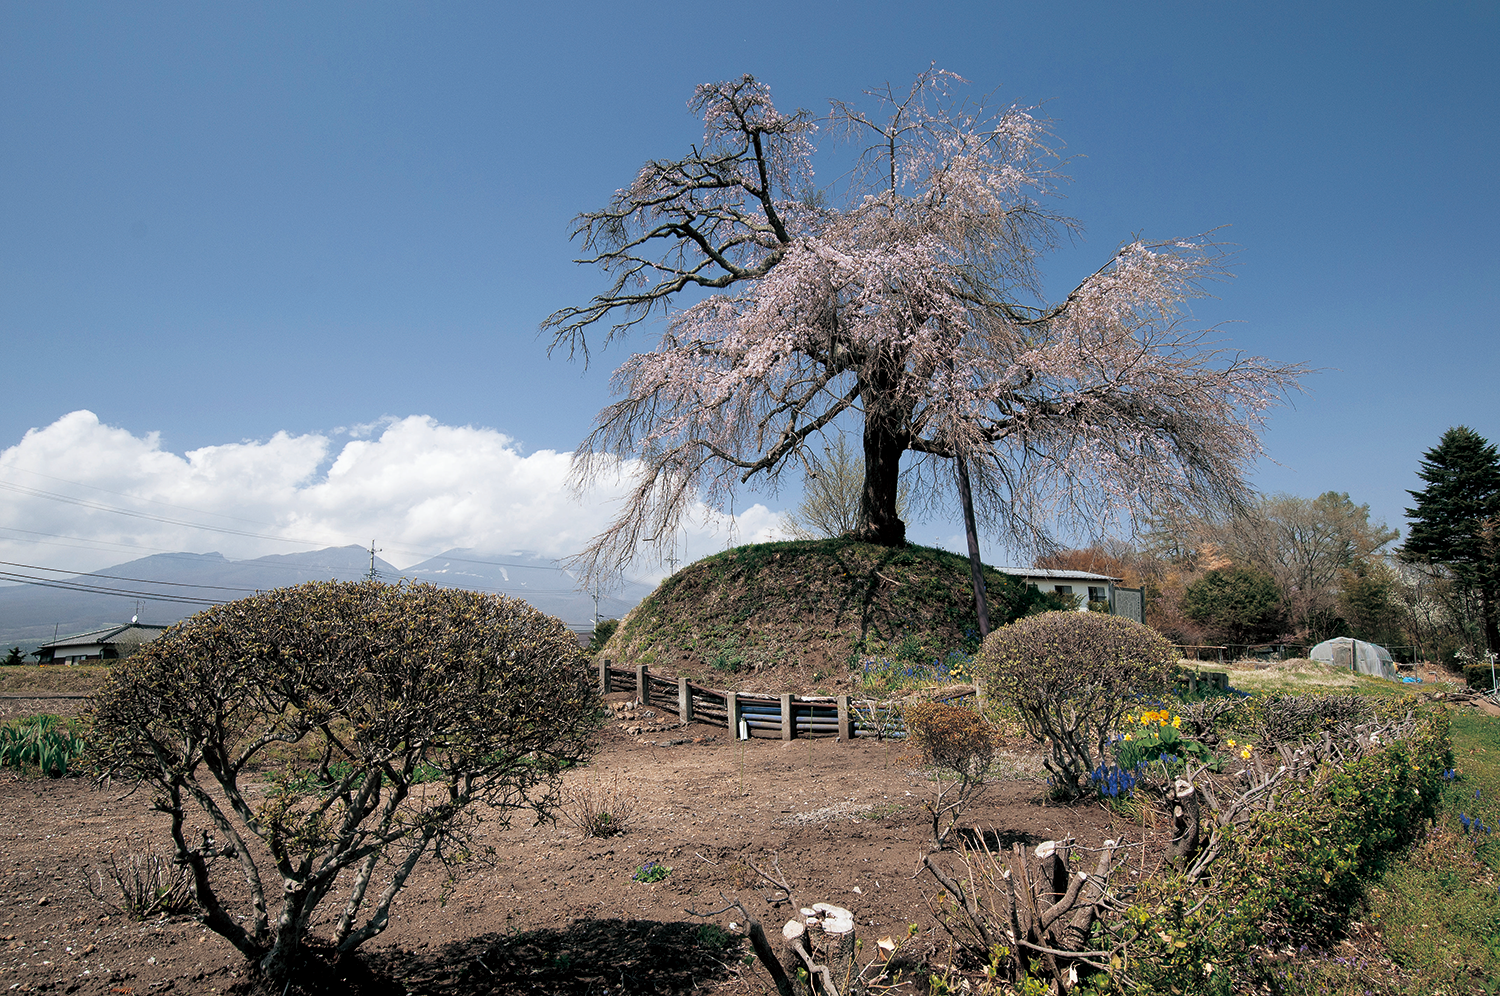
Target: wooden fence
(788,716)
(748,715)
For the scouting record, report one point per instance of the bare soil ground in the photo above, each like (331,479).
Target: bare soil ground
(554,912)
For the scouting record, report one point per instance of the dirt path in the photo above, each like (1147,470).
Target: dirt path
(555,912)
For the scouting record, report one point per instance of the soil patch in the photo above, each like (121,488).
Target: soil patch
(553,912)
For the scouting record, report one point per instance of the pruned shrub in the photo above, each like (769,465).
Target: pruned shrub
(337,700)
(1072,676)
(595,811)
(961,745)
(1286,719)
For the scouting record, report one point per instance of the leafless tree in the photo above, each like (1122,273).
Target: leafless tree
(1306,545)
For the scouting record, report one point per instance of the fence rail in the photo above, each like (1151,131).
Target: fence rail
(755,716)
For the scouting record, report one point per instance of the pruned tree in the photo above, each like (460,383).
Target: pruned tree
(907,299)
(339,701)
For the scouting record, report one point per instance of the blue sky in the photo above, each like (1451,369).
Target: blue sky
(220,223)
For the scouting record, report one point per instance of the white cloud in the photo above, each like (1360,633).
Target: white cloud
(415,486)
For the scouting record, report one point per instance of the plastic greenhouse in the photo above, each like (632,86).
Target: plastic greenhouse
(1356,655)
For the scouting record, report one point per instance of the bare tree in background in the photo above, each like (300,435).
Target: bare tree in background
(831,492)
(1307,545)
(906,298)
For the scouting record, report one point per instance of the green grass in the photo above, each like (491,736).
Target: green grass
(819,603)
(1298,676)
(1438,909)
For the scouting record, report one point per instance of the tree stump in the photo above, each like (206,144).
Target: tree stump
(827,939)
(1185,825)
(792,962)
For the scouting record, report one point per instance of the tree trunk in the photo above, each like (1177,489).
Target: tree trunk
(884,443)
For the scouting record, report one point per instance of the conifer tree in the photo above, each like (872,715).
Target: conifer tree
(1455,526)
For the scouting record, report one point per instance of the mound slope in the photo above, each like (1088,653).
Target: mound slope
(796,616)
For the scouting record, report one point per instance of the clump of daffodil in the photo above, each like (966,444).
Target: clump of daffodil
(1159,717)
(1154,735)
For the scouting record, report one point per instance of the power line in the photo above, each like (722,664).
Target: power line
(154,501)
(100,590)
(103,507)
(116,577)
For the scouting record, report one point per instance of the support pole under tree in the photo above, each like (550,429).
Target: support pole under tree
(971,533)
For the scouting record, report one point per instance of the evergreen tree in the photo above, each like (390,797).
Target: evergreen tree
(14,657)
(1238,605)
(1455,526)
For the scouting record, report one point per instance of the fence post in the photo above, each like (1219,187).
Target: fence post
(684,700)
(788,724)
(604,688)
(846,720)
(643,684)
(732,713)
(979,695)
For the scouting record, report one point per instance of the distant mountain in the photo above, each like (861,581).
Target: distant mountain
(170,586)
(528,576)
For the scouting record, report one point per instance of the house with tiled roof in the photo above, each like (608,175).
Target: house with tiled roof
(99,645)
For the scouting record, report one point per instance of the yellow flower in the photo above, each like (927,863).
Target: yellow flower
(1245,753)
(1176,722)
(1231,743)
(1130,719)
(1127,736)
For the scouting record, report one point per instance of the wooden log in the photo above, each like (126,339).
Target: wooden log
(643,684)
(1053,871)
(1076,934)
(604,683)
(732,715)
(684,700)
(788,724)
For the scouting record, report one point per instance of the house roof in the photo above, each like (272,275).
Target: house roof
(1051,575)
(128,633)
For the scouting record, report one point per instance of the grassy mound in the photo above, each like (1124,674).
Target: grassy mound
(798,616)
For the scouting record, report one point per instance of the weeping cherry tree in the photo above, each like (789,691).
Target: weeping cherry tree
(905,298)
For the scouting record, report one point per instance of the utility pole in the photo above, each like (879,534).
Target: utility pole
(976,568)
(371,575)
